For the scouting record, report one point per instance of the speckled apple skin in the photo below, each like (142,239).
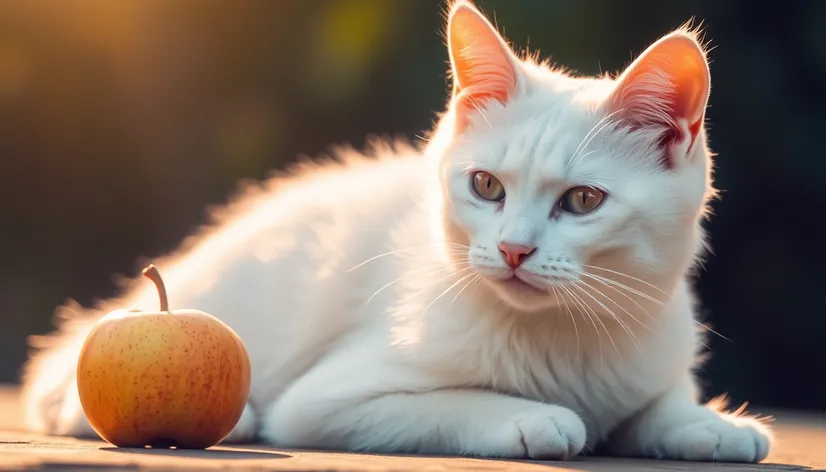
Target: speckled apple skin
(155,378)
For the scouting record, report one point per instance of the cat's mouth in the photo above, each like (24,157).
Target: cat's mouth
(519,285)
(522,290)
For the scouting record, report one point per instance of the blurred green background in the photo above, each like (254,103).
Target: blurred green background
(121,121)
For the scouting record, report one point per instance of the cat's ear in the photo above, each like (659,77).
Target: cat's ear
(665,90)
(484,67)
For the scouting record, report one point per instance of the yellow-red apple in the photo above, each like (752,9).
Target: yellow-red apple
(167,378)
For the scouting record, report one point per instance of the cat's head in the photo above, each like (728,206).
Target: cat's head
(556,183)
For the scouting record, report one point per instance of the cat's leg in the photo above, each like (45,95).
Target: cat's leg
(676,427)
(391,410)
(245,430)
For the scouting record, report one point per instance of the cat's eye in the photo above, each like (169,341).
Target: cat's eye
(488,187)
(582,200)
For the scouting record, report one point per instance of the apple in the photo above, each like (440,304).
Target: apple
(163,379)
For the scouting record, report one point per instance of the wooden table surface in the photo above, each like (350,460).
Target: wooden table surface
(801,446)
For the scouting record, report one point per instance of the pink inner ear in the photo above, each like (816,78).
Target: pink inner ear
(666,87)
(483,67)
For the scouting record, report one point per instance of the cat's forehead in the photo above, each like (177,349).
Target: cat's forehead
(536,136)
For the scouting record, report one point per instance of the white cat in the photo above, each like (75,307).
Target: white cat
(516,288)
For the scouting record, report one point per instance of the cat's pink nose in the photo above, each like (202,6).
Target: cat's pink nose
(515,254)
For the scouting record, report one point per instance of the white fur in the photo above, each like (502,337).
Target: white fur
(366,292)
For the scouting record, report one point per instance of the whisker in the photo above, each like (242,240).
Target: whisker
(615,302)
(448,245)
(597,317)
(613,284)
(583,156)
(439,266)
(579,304)
(564,304)
(622,324)
(447,290)
(475,278)
(478,107)
(580,156)
(616,318)
(712,331)
(491,155)
(481,281)
(440,279)
(629,276)
(631,290)
(605,282)
(588,136)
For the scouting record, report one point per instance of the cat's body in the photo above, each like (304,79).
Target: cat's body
(379,314)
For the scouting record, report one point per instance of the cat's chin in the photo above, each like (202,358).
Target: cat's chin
(522,295)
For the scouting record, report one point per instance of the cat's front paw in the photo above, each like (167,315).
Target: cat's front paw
(717,440)
(546,432)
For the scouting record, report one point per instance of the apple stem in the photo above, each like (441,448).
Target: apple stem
(151,273)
